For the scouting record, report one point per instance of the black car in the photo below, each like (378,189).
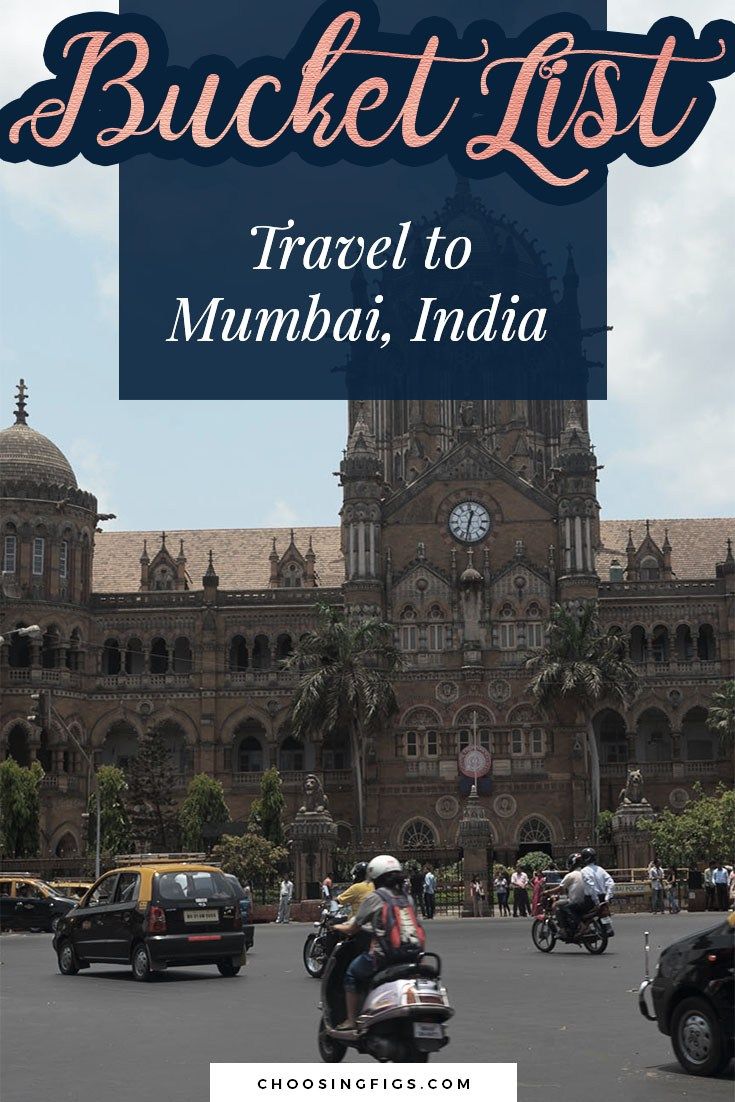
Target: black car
(692,998)
(27,903)
(152,916)
(246,908)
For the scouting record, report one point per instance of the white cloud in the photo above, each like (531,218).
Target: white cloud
(282,515)
(672,239)
(93,468)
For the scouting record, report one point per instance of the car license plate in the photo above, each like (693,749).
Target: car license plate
(427,1031)
(201,916)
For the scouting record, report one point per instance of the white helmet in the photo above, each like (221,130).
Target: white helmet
(382,864)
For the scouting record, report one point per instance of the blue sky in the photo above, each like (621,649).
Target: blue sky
(665,435)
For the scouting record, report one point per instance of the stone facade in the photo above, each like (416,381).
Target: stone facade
(183,632)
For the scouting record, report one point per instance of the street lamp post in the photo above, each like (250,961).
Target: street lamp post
(33,632)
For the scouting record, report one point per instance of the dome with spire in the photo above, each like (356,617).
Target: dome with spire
(26,454)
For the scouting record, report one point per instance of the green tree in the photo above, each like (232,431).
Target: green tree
(266,813)
(721,716)
(115,832)
(535,860)
(204,803)
(578,667)
(702,832)
(346,685)
(252,859)
(151,782)
(19,808)
(605,827)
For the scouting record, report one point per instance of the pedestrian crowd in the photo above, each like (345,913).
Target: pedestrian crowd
(718,882)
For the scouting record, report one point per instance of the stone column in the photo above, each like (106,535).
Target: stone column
(475,834)
(632,848)
(313,838)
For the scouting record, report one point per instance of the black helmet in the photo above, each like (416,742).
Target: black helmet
(589,856)
(358,871)
(574,860)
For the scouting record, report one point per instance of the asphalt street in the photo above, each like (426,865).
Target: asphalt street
(569,1020)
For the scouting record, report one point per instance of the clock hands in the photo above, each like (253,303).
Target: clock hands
(469,522)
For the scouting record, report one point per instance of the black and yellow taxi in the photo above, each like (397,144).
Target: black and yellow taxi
(27,903)
(72,889)
(154,913)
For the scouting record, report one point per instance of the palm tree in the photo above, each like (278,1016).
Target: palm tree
(345,685)
(721,715)
(579,666)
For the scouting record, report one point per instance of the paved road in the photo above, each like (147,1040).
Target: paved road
(569,1020)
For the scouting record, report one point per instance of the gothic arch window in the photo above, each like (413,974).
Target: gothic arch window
(74,653)
(120,745)
(698,742)
(291,755)
(649,569)
(172,736)
(418,835)
(610,732)
(284,646)
(163,577)
(660,645)
(638,644)
(159,656)
(653,736)
(18,747)
(409,632)
(19,650)
(684,644)
(249,740)
(238,654)
(67,846)
(292,576)
(183,659)
(261,653)
(534,627)
(51,648)
(38,560)
(534,832)
(111,661)
(64,545)
(336,752)
(134,658)
(706,646)
(10,550)
(420,744)
(507,628)
(466,735)
(436,629)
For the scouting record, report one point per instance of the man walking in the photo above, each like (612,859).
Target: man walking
(519,886)
(719,880)
(656,877)
(284,900)
(709,887)
(429,892)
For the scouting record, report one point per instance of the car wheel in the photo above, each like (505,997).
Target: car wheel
(227,968)
(331,1050)
(140,964)
(67,958)
(543,935)
(697,1037)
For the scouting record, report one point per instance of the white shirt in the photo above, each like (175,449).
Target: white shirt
(598,882)
(655,875)
(573,884)
(519,880)
(286,889)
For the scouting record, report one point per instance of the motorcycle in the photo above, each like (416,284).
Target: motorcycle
(320,944)
(403,1015)
(593,932)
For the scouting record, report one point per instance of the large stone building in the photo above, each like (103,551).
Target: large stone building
(462,523)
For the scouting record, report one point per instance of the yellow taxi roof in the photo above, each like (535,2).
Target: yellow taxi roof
(169,866)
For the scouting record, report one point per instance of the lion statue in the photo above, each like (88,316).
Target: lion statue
(314,795)
(633,791)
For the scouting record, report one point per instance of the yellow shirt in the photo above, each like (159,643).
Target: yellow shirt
(354,895)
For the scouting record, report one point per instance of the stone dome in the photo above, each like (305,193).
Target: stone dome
(30,456)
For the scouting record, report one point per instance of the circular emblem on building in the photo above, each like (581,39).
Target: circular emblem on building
(499,690)
(678,798)
(474,761)
(447,690)
(145,707)
(504,806)
(447,807)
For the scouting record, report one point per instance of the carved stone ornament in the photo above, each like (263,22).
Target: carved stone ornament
(633,791)
(315,798)
(447,691)
(678,798)
(505,806)
(499,690)
(447,807)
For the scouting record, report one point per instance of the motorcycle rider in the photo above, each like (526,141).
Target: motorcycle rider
(570,910)
(387,876)
(353,896)
(598,883)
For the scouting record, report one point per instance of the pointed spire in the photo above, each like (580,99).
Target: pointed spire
(361,438)
(210,579)
(274,553)
(630,546)
(648,529)
(310,555)
(666,546)
(728,556)
(144,558)
(181,557)
(163,540)
(21,413)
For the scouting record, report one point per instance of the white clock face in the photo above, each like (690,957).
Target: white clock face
(469,522)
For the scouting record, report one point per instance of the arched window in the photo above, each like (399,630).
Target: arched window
(182,656)
(649,569)
(507,628)
(534,627)
(292,577)
(436,630)
(291,755)
(19,650)
(409,632)
(159,656)
(111,659)
(418,835)
(466,721)
(684,643)
(610,731)
(18,747)
(421,744)
(10,552)
(39,556)
(67,846)
(534,832)
(261,653)
(120,745)
(284,647)
(134,659)
(653,737)
(74,654)
(249,742)
(660,644)
(51,648)
(238,654)
(706,647)
(638,645)
(336,751)
(172,737)
(163,578)
(698,742)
